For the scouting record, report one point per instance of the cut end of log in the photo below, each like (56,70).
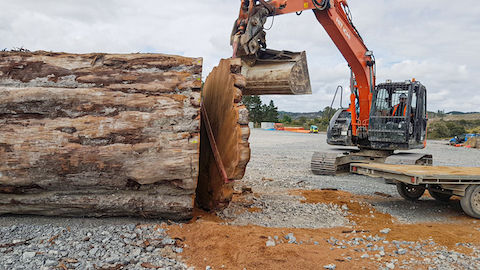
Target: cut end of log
(221,97)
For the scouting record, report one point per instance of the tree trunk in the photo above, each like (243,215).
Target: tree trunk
(99,134)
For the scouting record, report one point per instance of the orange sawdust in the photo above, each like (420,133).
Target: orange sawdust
(212,244)
(445,234)
(361,212)
(200,214)
(207,241)
(254,209)
(237,247)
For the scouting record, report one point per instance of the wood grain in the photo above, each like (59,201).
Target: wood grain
(221,95)
(99,134)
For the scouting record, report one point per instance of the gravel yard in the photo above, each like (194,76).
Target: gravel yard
(285,157)
(282,216)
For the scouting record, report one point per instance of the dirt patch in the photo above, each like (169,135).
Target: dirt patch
(361,212)
(369,219)
(238,247)
(200,214)
(208,241)
(254,209)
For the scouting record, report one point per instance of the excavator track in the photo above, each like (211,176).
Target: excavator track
(324,163)
(338,161)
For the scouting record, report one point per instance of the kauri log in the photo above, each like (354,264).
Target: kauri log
(99,134)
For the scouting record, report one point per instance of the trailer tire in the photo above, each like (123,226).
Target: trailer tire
(439,196)
(410,192)
(471,201)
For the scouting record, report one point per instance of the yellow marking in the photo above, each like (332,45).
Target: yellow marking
(194,141)
(305,5)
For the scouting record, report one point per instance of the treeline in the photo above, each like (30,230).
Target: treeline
(437,129)
(442,129)
(259,112)
(442,113)
(321,122)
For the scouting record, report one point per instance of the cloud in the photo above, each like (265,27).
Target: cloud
(434,41)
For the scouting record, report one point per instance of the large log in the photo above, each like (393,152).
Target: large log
(99,134)
(222,96)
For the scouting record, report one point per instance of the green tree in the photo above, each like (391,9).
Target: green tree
(270,112)
(440,114)
(263,113)
(301,121)
(286,119)
(455,129)
(254,107)
(445,129)
(328,113)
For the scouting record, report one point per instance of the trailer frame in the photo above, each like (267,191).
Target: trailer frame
(460,181)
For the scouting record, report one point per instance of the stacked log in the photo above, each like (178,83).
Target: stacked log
(99,134)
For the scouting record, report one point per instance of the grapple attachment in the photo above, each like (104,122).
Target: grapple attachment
(271,72)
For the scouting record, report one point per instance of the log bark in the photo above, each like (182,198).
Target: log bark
(221,97)
(99,134)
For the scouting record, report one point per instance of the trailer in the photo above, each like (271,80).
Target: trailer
(440,181)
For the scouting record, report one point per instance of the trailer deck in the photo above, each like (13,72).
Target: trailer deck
(442,182)
(418,175)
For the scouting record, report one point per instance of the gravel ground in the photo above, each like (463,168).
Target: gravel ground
(280,163)
(283,211)
(284,157)
(85,245)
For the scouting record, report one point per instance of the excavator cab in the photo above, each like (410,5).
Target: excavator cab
(398,117)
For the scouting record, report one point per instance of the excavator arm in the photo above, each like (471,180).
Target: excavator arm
(249,42)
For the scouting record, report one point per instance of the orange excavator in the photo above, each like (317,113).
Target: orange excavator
(368,124)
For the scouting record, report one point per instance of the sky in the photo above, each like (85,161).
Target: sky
(437,42)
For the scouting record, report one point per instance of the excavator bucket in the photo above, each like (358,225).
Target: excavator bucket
(276,73)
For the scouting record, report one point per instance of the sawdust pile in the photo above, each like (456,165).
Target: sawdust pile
(209,242)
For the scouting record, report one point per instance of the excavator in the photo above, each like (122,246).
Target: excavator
(380,120)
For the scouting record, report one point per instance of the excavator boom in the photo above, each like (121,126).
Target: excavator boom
(366,123)
(249,41)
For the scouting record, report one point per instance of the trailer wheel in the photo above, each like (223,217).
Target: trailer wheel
(471,201)
(410,192)
(442,197)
